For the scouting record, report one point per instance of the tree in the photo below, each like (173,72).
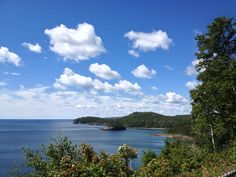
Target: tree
(214,99)
(128,153)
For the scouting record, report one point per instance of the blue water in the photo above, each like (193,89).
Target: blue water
(15,134)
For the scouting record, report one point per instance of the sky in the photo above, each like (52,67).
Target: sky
(67,59)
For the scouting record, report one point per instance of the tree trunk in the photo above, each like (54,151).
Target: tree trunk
(212,138)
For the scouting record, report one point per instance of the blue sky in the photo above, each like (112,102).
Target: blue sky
(64,59)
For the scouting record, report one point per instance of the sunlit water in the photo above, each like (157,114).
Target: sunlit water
(15,134)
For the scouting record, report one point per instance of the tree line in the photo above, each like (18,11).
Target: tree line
(180,124)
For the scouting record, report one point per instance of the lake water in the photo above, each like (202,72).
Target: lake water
(15,134)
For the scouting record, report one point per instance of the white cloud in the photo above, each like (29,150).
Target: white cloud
(77,44)
(33,47)
(43,102)
(71,79)
(168,67)
(103,71)
(133,53)
(191,84)
(143,72)
(9,57)
(153,88)
(191,69)
(104,86)
(172,97)
(12,73)
(128,87)
(148,41)
(31,93)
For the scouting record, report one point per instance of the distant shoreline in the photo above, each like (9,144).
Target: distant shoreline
(137,128)
(145,128)
(175,136)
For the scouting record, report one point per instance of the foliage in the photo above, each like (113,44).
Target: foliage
(157,167)
(176,158)
(127,152)
(183,159)
(214,100)
(180,124)
(148,155)
(115,125)
(62,158)
(91,120)
(183,156)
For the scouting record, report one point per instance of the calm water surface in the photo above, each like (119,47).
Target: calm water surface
(15,134)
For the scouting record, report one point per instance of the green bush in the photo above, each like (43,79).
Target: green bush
(184,159)
(158,167)
(62,159)
(148,156)
(176,158)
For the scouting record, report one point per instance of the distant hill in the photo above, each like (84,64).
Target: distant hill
(174,124)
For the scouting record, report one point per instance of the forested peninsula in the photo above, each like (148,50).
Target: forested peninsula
(179,124)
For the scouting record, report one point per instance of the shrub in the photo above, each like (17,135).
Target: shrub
(62,159)
(148,156)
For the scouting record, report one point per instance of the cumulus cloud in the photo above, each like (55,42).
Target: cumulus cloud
(103,71)
(104,86)
(143,72)
(172,97)
(148,41)
(191,84)
(191,69)
(71,79)
(43,102)
(33,47)
(7,56)
(76,44)
(128,87)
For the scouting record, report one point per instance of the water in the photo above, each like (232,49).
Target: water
(15,134)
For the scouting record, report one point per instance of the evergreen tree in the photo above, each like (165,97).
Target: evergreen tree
(214,99)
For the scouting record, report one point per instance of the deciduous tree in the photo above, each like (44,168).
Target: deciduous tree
(214,99)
